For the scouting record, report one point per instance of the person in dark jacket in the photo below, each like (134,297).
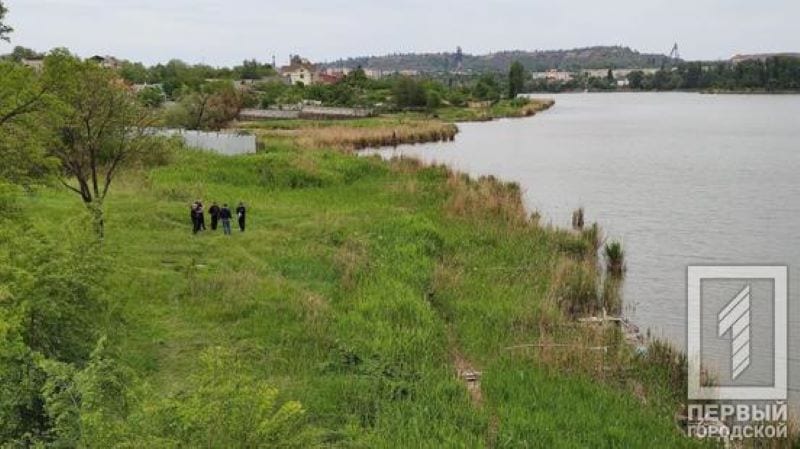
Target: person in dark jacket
(195,218)
(241,212)
(225,215)
(213,211)
(201,216)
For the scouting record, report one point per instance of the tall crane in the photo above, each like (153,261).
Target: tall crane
(674,53)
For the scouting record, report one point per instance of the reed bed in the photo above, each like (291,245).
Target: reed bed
(486,197)
(359,138)
(381,136)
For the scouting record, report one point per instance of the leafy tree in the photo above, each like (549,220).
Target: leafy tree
(5,30)
(691,74)
(486,89)
(19,53)
(434,100)
(635,79)
(176,76)
(409,93)
(516,79)
(271,92)
(253,70)
(25,103)
(52,312)
(211,107)
(152,96)
(134,72)
(101,128)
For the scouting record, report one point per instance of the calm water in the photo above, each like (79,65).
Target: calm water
(680,178)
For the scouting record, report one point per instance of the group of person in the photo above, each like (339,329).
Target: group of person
(218,214)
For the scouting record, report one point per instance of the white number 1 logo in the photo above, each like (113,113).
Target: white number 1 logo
(735,317)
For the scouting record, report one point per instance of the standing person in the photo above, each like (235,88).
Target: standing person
(214,212)
(201,216)
(225,215)
(195,218)
(241,212)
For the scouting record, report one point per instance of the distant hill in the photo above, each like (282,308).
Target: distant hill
(600,57)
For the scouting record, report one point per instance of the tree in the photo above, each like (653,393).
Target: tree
(409,93)
(434,100)
(486,88)
(516,79)
(101,127)
(25,103)
(152,96)
(5,30)
(19,53)
(135,73)
(211,107)
(635,79)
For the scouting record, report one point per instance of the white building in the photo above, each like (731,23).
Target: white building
(299,70)
(553,75)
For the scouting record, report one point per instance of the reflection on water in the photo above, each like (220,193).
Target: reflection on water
(679,178)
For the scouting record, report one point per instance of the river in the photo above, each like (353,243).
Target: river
(679,178)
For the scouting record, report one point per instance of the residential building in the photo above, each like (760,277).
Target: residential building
(373,73)
(36,64)
(553,75)
(108,62)
(299,70)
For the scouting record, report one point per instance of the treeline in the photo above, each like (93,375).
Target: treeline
(772,74)
(572,59)
(207,98)
(779,73)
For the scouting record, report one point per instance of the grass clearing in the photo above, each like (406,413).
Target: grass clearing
(357,283)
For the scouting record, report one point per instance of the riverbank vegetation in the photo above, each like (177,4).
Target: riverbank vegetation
(369,304)
(385,130)
(770,74)
(348,315)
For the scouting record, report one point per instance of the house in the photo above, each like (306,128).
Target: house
(108,62)
(326,78)
(299,70)
(36,64)
(553,75)
(337,71)
(373,73)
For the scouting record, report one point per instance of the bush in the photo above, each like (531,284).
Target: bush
(227,408)
(615,259)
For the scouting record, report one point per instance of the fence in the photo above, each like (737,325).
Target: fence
(305,112)
(229,144)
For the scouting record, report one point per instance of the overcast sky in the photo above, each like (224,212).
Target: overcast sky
(224,32)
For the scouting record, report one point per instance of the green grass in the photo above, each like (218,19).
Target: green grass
(357,289)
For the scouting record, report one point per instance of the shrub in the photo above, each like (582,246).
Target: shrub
(615,259)
(226,407)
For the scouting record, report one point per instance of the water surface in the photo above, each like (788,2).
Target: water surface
(679,178)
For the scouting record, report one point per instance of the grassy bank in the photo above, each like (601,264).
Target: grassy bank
(364,290)
(385,130)
(501,109)
(353,134)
